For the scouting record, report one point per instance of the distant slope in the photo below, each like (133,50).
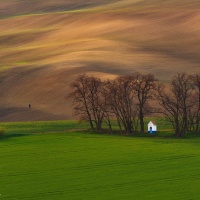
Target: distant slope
(24,7)
(41,54)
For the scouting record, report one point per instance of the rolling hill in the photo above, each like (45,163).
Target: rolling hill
(45,44)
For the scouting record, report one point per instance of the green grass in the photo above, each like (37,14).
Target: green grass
(69,164)
(39,127)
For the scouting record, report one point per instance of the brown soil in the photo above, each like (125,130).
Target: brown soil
(41,54)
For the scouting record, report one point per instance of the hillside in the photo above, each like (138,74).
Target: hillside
(27,7)
(43,46)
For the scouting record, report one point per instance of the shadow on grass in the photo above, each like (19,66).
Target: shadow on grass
(159,134)
(4,137)
(192,134)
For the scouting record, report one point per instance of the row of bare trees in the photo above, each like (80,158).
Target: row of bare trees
(129,98)
(180,102)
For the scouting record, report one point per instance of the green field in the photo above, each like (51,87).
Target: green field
(56,160)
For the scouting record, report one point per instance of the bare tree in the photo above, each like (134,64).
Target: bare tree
(78,94)
(96,102)
(176,102)
(183,88)
(87,100)
(170,106)
(105,105)
(121,102)
(194,112)
(144,86)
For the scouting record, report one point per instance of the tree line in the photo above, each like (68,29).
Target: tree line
(128,99)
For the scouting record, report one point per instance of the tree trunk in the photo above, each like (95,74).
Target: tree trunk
(91,125)
(141,117)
